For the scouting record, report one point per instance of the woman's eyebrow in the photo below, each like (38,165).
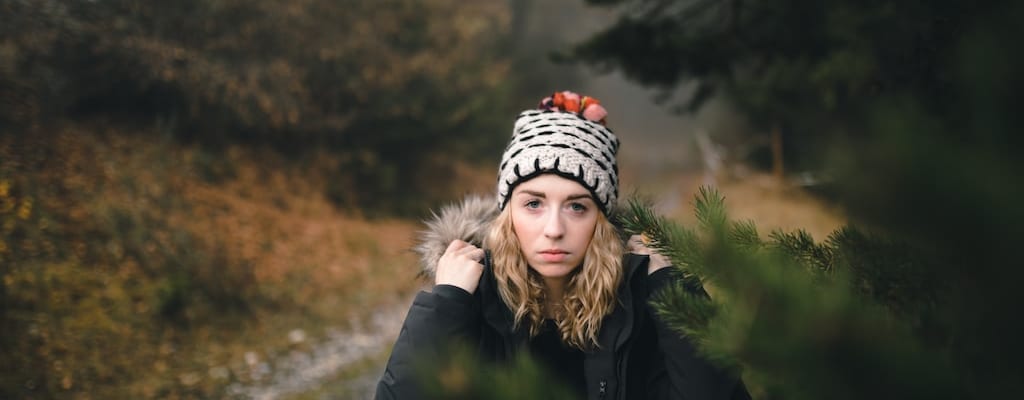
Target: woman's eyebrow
(580,196)
(543,196)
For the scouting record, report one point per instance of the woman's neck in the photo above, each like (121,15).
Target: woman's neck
(554,292)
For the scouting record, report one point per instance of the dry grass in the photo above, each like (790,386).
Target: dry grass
(279,222)
(138,269)
(761,198)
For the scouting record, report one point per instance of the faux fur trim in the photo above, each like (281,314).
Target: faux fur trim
(468,220)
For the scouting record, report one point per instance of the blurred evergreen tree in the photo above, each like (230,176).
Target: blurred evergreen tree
(389,85)
(808,68)
(912,106)
(853,317)
(461,375)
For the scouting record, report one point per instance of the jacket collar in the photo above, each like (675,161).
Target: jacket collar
(468,220)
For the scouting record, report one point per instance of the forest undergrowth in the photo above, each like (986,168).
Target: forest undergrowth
(139,268)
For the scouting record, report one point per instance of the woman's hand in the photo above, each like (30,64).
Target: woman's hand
(636,246)
(460,266)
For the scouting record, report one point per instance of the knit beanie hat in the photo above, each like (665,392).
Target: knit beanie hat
(565,136)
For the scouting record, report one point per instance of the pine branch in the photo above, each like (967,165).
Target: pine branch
(667,238)
(817,258)
(744,234)
(685,311)
(895,275)
(799,299)
(461,374)
(710,209)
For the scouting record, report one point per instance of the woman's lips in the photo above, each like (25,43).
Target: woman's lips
(553,255)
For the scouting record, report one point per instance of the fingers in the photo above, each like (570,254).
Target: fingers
(459,248)
(636,245)
(460,266)
(475,254)
(455,245)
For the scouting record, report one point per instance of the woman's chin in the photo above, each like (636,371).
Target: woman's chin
(553,270)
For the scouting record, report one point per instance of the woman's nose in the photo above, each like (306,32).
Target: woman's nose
(554,228)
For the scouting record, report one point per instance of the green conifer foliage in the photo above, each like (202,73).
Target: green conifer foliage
(460,375)
(803,319)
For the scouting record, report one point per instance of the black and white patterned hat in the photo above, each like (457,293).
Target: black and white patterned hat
(566,144)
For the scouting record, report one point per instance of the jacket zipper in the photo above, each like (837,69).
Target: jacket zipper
(602,389)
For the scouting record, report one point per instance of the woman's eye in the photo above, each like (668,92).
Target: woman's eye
(533,204)
(578,207)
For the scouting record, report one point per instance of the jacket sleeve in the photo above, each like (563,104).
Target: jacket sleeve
(434,319)
(690,376)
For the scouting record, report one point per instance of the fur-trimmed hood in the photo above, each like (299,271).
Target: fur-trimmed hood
(468,220)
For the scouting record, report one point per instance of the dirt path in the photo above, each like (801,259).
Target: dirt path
(300,372)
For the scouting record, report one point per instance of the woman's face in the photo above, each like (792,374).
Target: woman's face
(554,219)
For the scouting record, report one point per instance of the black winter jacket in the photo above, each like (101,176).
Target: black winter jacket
(638,356)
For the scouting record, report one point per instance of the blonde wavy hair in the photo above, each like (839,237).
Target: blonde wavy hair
(589,294)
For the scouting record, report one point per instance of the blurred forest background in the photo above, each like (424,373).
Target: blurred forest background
(208,199)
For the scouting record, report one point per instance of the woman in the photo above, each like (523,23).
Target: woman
(556,280)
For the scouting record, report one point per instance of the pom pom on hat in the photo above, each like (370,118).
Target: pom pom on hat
(585,106)
(595,112)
